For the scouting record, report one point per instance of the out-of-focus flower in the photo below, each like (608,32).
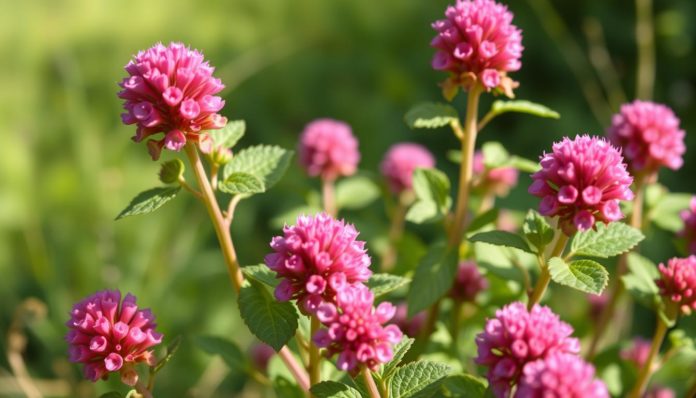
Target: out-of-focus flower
(468,282)
(261,354)
(171,90)
(637,353)
(315,259)
(410,326)
(582,181)
(660,392)
(109,336)
(399,163)
(356,331)
(516,337)
(650,136)
(498,180)
(597,304)
(677,283)
(328,149)
(560,375)
(689,231)
(477,43)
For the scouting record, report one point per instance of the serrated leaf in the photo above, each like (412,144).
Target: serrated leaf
(608,240)
(417,379)
(494,154)
(381,284)
(537,230)
(149,201)
(423,212)
(502,238)
(665,214)
(356,192)
(228,136)
(585,275)
(430,115)
(172,348)
(639,281)
(242,183)
(400,350)
(482,220)
(464,385)
(171,171)
(228,351)
(334,389)
(261,273)
(273,322)
(266,162)
(433,278)
(523,106)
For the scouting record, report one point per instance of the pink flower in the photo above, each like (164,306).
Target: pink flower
(260,355)
(356,331)
(109,336)
(689,231)
(171,90)
(477,42)
(410,326)
(660,392)
(328,149)
(316,258)
(516,337)
(399,163)
(597,304)
(650,136)
(560,375)
(497,180)
(637,353)
(678,283)
(468,283)
(582,181)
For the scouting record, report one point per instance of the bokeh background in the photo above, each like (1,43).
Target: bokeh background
(68,166)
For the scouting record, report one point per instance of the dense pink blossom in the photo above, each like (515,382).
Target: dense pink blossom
(637,353)
(677,283)
(109,336)
(171,90)
(328,149)
(468,282)
(411,326)
(516,337)
(399,163)
(689,231)
(650,136)
(477,42)
(660,392)
(356,330)
(560,375)
(497,180)
(315,259)
(582,181)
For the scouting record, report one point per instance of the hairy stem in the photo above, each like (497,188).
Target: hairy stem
(545,276)
(647,369)
(314,357)
(370,383)
(645,39)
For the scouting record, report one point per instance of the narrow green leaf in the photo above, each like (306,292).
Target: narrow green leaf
(464,385)
(356,192)
(381,284)
(502,238)
(171,171)
(242,183)
(608,240)
(400,350)
(537,230)
(523,106)
(172,347)
(433,277)
(418,379)
(266,162)
(334,389)
(272,321)
(522,164)
(229,351)
(494,154)
(430,115)
(229,135)
(149,201)
(482,220)
(584,275)
(261,273)
(640,280)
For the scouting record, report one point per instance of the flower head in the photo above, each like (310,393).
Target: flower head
(637,353)
(316,258)
(660,392)
(108,335)
(468,282)
(498,180)
(516,337)
(597,304)
(560,375)
(582,181)
(171,90)
(689,231)
(650,136)
(399,163)
(328,149)
(356,331)
(677,283)
(477,42)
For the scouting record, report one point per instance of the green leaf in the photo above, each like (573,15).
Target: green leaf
(494,154)
(608,240)
(172,347)
(229,351)
(537,230)
(418,379)
(482,220)
(430,115)
(272,321)
(261,273)
(522,164)
(523,106)
(665,214)
(284,388)
(356,192)
(171,171)
(133,394)
(584,275)
(502,238)
(432,188)
(228,136)
(400,350)
(242,183)
(266,162)
(640,280)
(464,385)
(423,212)
(149,201)
(111,394)
(433,277)
(334,389)
(381,284)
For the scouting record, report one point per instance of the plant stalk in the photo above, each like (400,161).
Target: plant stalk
(328,193)
(645,39)
(370,383)
(647,369)
(314,357)
(396,229)
(545,276)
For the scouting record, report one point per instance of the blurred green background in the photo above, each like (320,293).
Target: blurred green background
(68,166)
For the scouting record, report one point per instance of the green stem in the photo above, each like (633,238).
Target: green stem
(647,369)
(370,383)
(545,276)
(329,197)
(396,229)
(314,357)
(456,321)
(645,39)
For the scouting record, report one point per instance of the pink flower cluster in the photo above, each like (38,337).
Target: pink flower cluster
(109,336)
(328,149)
(399,163)
(560,375)
(689,231)
(171,90)
(410,326)
(650,136)
(582,181)
(468,282)
(677,283)
(477,43)
(498,180)
(516,337)
(356,331)
(637,353)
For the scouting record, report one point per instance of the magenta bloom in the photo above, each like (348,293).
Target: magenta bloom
(497,180)
(261,354)
(468,283)
(399,163)
(660,392)
(355,329)
(637,353)
(597,304)
(316,258)
(410,326)
(109,336)
(516,337)
(650,136)
(560,375)
(582,181)
(477,42)
(678,283)
(171,90)
(328,149)
(689,231)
